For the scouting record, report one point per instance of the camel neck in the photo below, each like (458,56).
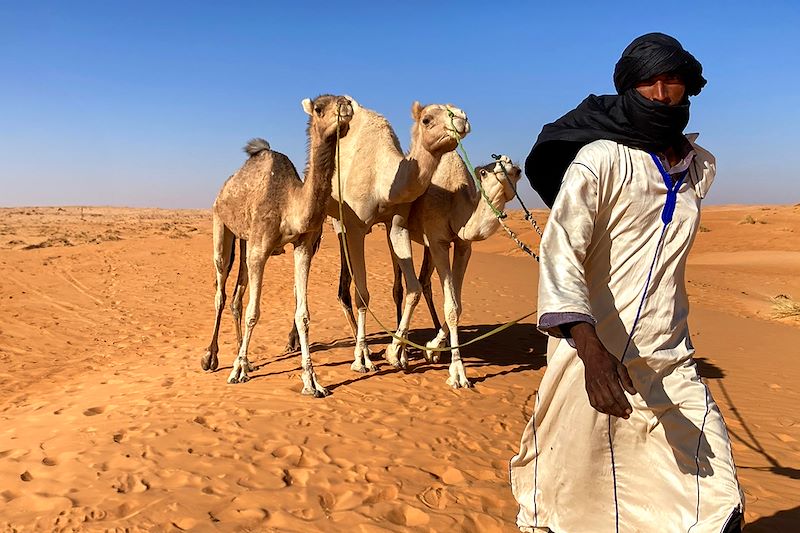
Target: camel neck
(413,175)
(317,183)
(483,222)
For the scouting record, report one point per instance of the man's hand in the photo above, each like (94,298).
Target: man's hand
(605,375)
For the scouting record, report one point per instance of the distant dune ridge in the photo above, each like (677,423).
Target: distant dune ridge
(108,421)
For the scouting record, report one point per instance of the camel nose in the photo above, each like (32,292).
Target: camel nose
(461,125)
(345,108)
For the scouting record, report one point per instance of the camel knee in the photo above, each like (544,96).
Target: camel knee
(220,299)
(363,300)
(345,300)
(252,319)
(302,320)
(451,313)
(220,264)
(414,292)
(236,309)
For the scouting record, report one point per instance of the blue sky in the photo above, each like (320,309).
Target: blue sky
(149,103)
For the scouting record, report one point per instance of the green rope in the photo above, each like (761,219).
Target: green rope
(350,270)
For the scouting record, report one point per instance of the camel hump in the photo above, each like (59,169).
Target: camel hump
(256,146)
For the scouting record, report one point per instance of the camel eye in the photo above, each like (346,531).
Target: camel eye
(483,173)
(426,120)
(318,110)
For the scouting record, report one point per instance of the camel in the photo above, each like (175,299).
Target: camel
(452,212)
(266,206)
(379,184)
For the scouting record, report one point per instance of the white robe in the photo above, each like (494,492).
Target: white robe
(669,466)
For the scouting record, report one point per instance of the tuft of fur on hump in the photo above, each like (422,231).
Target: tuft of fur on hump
(256,146)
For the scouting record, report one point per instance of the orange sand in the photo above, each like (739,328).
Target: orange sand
(108,422)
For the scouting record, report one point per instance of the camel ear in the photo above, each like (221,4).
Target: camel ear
(307,106)
(353,102)
(416,110)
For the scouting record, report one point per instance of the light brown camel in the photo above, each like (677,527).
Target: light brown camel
(266,205)
(379,184)
(452,211)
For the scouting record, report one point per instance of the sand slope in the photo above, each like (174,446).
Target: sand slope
(108,422)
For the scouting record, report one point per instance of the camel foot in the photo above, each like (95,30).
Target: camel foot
(397,355)
(434,356)
(458,377)
(459,383)
(311,386)
(209,361)
(358,366)
(316,392)
(361,360)
(239,373)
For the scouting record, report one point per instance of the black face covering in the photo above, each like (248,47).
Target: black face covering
(627,118)
(656,125)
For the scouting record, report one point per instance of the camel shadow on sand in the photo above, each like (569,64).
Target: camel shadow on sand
(519,347)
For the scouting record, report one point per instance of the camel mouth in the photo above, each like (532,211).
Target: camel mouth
(459,128)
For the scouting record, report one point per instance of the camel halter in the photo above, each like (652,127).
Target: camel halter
(350,267)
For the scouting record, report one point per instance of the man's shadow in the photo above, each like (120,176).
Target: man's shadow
(788,520)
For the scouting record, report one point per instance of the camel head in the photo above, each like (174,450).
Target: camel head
(326,113)
(438,127)
(496,182)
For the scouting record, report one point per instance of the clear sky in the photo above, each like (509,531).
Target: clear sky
(149,103)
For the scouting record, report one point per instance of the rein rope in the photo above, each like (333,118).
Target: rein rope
(497,213)
(404,340)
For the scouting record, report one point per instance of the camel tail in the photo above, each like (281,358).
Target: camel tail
(256,146)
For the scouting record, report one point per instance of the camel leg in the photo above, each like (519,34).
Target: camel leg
(425,274)
(238,292)
(397,352)
(355,249)
(397,285)
(344,297)
(452,310)
(257,255)
(440,251)
(293,342)
(223,251)
(303,252)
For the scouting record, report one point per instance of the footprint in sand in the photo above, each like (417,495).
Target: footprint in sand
(49,461)
(434,497)
(130,483)
(93,411)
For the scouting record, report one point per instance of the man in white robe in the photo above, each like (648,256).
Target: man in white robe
(625,436)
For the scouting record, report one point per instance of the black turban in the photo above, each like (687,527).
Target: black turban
(627,117)
(654,54)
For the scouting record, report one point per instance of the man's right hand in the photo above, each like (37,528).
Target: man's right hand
(605,375)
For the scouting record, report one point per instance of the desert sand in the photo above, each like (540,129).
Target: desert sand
(109,423)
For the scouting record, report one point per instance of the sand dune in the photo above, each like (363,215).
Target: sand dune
(108,422)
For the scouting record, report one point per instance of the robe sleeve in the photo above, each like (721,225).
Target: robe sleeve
(563,292)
